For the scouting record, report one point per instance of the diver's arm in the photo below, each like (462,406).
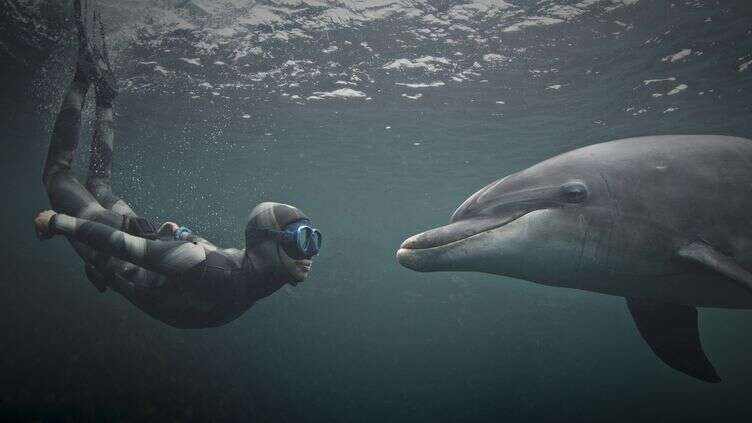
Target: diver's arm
(166,257)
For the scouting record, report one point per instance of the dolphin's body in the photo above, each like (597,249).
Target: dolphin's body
(665,221)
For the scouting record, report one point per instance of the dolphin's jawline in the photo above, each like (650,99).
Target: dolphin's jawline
(456,241)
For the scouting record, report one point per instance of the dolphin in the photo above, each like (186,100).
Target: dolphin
(664,221)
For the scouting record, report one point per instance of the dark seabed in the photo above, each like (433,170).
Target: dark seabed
(229,103)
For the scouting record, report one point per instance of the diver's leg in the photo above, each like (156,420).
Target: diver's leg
(65,134)
(67,126)
(65,192)
(99,180)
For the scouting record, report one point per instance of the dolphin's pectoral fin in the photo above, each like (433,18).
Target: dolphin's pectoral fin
(719,262)
(671,331)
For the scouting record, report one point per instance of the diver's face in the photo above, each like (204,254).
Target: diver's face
(297,269)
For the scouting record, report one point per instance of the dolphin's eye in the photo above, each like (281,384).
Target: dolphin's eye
(574,192)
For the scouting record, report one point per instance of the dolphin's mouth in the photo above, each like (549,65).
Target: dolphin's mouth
(426,252)
(431,250)
(457,231)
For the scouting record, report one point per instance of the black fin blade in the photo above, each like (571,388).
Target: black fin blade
(671,332)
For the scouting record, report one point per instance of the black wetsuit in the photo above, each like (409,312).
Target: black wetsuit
(185,283)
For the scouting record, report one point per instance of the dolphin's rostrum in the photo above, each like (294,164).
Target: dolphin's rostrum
(664,221)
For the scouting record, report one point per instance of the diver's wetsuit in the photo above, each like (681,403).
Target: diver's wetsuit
(185,283)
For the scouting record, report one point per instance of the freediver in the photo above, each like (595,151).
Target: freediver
(170,273)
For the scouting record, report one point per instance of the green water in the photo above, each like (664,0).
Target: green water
(363,339)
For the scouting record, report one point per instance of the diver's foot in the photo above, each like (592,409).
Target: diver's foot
(93,56)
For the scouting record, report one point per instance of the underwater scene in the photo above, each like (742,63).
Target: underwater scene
(384,210)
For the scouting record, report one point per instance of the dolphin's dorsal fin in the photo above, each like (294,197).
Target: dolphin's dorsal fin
(671,331)
(710,257)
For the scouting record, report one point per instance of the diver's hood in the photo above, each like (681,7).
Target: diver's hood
(265,253)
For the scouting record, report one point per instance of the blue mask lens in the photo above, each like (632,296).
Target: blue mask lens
(301,240)
(304,237)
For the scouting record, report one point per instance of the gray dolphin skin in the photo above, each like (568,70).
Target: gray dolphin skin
(664,221)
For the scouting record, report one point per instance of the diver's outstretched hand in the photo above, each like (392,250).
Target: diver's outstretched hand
(42,225)
(93,55)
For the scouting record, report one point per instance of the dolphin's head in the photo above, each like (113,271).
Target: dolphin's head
(517,226)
